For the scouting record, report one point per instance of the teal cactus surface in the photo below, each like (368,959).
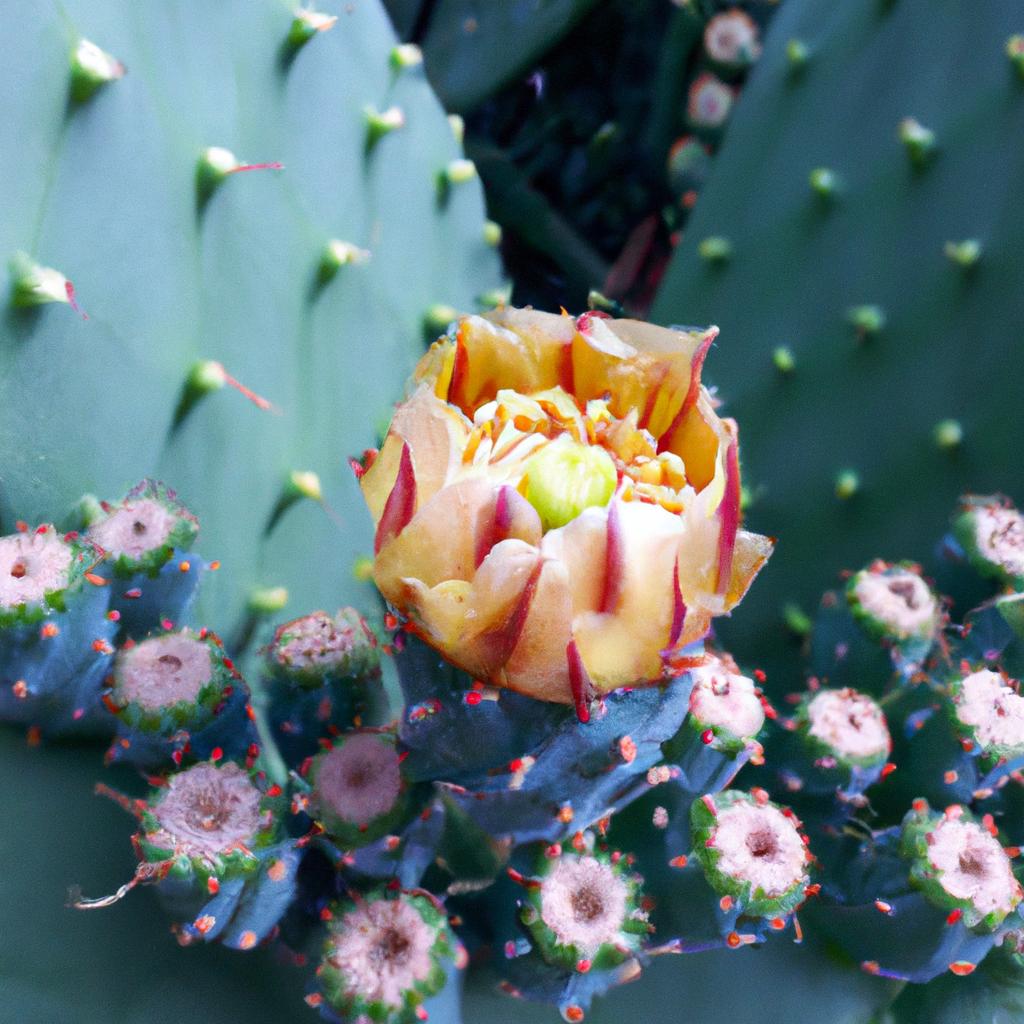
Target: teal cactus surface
(925,342)
(103,191)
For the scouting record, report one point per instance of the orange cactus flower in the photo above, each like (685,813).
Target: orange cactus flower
(557,502)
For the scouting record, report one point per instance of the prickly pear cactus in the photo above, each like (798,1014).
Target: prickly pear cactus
(874,362)
(191,273)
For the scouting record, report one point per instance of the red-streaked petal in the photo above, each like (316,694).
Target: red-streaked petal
(579,681)
(696,368)
(613,560)
(401,503)
(729,517)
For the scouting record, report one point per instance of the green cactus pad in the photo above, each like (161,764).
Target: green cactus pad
(105,191)
(947,349)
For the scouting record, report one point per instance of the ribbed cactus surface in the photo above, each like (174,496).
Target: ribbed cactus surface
(905,379)
(175,263)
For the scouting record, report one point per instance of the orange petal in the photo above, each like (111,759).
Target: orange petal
(623,645)
(537,666)
(439,543)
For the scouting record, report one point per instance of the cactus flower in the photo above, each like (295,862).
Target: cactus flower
(557,502)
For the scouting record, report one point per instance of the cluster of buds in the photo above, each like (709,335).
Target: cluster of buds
(557,511)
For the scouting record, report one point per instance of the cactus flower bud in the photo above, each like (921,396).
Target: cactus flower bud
(726,703)
(751,851)
(992,533)
(989,712)
(959,865)
(384,956)
(893,602)
(143,531)
(732,38)
(358,788)
(557,503)
(584,908)
(709,102)
(208,822)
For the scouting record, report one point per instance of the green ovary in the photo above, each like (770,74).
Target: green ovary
(565,477)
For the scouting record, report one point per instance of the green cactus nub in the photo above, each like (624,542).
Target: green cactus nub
(918,141)
(602,303)
(797,54)
(436,319)
(495,298)
(824,182)
(92,68)
(1015,52)
(458,127)
(492,234)
(784,360)
(298,484)
(337,254)
(948,434)
(267,600)
(965,254)
(215,164)
(35,285)
(458,172)
(305,26)
(867,320)
(380,123)
(797,621)
(847,484)
(715,250)
(404,56)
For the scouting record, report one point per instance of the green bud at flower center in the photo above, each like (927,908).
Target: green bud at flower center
(565,477)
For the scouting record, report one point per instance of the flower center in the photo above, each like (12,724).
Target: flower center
(566,477)
(19,570)
(762,843)
(392,948)
(587,904)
